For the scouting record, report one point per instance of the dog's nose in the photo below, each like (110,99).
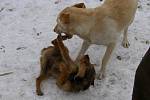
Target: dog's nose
(54,29)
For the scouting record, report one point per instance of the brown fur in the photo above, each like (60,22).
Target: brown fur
(83,82)
(49,60)
(56,62)
(85,74)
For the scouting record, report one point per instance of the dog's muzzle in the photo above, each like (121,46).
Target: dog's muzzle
(60,32)
(57,31)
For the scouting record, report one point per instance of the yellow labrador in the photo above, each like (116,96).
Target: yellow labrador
(101,25)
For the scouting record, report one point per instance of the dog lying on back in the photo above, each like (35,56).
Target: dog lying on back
(56,62)
(77,78)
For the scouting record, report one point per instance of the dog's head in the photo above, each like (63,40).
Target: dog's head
(90,71)
(89,76)
(63,21)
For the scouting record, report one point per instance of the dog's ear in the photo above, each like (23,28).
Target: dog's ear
(79,5)
(65,18)
(54,42)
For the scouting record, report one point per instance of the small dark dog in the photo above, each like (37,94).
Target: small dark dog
(56,62)
(49,62)
(73,82)
(72,77)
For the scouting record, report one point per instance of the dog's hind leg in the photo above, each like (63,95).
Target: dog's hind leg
(105,60)
(125,42)
(43,75)
(38,84)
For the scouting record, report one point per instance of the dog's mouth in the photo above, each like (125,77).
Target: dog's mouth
(68,36)
(64,35)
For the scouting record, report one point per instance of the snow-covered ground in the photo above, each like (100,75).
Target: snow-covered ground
(26,26)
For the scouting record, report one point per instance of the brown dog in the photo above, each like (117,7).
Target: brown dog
(56,62)
(72,79)
(50,60)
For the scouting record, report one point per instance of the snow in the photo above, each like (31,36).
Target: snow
(26,26)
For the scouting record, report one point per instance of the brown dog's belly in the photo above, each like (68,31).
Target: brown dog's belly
(54,71)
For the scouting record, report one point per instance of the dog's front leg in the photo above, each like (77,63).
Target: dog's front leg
(105,60)
(84,47)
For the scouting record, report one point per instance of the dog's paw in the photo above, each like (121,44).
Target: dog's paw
(39,93)
(125,43)
(101,76)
